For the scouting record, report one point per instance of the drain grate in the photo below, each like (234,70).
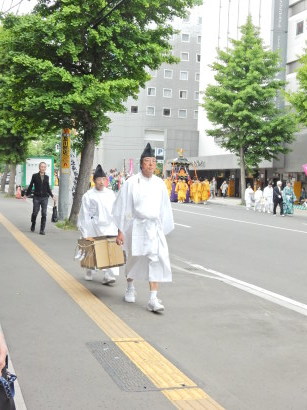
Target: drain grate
(120,368)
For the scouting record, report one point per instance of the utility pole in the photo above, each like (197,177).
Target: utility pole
(64,175)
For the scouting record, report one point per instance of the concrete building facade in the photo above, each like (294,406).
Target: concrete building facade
(282,25)
(166,111)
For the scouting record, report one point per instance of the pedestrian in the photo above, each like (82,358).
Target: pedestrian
(96,219)
(196,191)
(42,191)
(303,196)
(143,214)
(277,198)
(168,184)
(268,198)
(205,193)
(258,196)
(181,189)
(224,188)
(289,198)
(249,197)
(6,403)
(213,188)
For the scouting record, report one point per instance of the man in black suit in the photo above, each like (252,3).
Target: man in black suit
(42,191)
(277,198)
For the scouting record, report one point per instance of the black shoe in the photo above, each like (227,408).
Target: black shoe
(32,227)
(41,232)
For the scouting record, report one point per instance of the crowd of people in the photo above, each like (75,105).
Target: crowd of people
(271,198)
(196,190)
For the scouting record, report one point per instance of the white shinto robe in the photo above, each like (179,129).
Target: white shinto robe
(143,213)
(268,196)
(95,217)
(249,196)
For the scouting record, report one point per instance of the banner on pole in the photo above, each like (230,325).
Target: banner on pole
(65,151)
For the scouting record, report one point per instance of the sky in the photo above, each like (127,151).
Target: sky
(17,6)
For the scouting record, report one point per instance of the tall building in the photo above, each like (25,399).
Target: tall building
(282,25)
(165,112)
(297,37)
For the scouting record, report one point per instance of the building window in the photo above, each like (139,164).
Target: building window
(184,56)
(183,113)
(298,7)
(185,37)
(150,110)
(195,114)
(134,109)
(184,75)
(200,20)
(196,76)
(183,94)
(197,58)
(167,92)
(299,27)
(198,39)
(196,95)
(168,73)
(151,91)
(166,112)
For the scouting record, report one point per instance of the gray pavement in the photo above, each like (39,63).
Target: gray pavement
(245,346)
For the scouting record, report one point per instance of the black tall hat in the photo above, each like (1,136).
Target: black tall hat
(99,172)
(148,152)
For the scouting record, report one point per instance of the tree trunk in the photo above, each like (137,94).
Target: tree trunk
(85,171)
(242,176)
(11,191)
(4,178)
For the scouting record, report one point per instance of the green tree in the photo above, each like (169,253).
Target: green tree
(242,103)
(299,98)
(46,145)
(79,60)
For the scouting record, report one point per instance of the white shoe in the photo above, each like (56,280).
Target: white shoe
(88,275)
(130,295)
(108,279)
(154,305)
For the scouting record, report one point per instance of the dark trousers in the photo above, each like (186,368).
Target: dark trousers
(281,206)
(37,203)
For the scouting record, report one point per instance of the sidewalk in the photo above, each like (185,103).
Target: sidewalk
(57,325)
(230,201)
(225,201)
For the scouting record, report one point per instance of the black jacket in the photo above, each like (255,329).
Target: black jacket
(41,189)
(276,194)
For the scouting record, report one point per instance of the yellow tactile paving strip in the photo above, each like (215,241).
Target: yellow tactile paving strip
(174,384)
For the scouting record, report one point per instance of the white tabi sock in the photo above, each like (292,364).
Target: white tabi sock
(153,294)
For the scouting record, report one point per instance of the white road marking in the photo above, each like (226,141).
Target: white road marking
(242,222)
(246,287)
(185,226)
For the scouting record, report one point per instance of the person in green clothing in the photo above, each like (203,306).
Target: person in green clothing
(288,199)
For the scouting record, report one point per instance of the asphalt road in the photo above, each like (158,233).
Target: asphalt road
(235,319)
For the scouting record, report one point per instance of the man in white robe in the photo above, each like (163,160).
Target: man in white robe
(143,214)
(258,196)
(96,219)
(249,197)
(268,198)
